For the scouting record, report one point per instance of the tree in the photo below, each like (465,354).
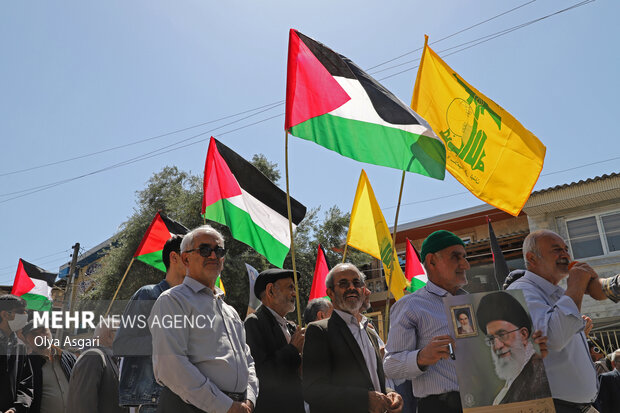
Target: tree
(178,194)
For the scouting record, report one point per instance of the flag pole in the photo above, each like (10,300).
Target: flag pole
(389,290)
(290,226)
(346,246)
(119,286)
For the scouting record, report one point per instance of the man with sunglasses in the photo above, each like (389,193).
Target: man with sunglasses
(16,380)
(342,370)
(203,360)
(508,326)
(557,312)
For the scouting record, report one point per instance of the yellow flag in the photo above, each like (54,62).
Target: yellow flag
(487,149)
(369,233)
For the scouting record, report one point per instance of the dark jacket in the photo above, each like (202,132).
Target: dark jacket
(67,361)
(530,384)
(16,387)
(138,385)
(608,400)
(277,365)
(93,387)
(335,376)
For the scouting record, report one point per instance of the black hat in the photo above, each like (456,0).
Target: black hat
(503,306)
(269,276)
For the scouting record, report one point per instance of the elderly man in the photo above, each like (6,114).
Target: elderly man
(93,387)
(16,386)
(317,310)
(556,312)
(418,345)
(508,327)
(202,359)
(342,369)
(138,386)
(51,370)
(608,400)
(276,344)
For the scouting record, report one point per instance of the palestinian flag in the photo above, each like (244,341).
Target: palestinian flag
(334,103)
(160,231)
(238,195)
(219,284)
(414,270)
(321,268)
(34,285)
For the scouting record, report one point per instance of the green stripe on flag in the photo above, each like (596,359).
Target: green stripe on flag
(376,144)
(37,302)
(245,230)
(416,284)
(154,259)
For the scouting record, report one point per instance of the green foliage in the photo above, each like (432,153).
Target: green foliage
(178,195)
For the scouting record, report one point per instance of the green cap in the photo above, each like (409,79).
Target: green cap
(437,241)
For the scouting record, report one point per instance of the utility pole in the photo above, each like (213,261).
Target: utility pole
(74,257)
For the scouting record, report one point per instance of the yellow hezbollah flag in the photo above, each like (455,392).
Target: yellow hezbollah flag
(487,149)
(369,233)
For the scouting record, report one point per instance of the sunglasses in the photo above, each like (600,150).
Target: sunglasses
(205,250)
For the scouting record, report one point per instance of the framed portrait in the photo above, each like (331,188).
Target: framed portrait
(462,321)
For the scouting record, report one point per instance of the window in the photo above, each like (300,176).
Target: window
(595,235)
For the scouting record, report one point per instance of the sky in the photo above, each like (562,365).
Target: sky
(80,77)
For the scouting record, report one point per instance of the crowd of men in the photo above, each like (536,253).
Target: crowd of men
(338,363)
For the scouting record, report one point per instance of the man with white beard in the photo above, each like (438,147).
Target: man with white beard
(507,327)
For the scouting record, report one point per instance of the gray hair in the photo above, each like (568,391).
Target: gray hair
(615,356)
(313,308)
(530,243)
(342,267)
(188,239)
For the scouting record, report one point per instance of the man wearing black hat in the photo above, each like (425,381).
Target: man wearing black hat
(419,341)
(508,326)
(276,344)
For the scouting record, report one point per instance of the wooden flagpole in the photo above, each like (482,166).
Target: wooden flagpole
(119,286)
(290,226)
(389,291)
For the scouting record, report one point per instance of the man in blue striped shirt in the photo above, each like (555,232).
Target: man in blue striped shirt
(418,345)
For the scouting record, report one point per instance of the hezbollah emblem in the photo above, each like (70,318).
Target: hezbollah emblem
(463,136)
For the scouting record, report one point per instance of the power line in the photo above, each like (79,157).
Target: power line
(487,38)
(274,104)
(86,155)
(177,145)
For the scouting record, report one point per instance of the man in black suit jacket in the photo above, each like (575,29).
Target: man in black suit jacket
(276,344)
(608,400)
(343,369)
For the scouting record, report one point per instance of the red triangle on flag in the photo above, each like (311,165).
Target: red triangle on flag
(22,284)
(413,266)
(310,89)
(219,182)
(155,237)
(321,269)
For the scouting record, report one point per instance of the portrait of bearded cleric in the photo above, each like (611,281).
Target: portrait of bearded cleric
(508,329)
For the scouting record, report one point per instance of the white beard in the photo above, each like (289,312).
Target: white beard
(507,368)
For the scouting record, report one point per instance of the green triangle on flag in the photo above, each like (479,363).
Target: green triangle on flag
(331,101)
(238,195)
(34,284)
(150,249)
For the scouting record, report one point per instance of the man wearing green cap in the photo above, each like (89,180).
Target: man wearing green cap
(418,345)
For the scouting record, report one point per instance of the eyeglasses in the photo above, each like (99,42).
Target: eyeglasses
(345,283)
(205,250)
(503,337)
(596,350)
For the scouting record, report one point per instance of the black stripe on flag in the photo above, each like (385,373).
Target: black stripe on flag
(331,60)
(39,273)
(173,226)
(258,185)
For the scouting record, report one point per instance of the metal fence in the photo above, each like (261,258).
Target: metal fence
(609,339)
